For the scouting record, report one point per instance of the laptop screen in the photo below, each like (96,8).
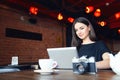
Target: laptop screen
(63,56)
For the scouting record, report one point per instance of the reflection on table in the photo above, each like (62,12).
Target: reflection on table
(59,75)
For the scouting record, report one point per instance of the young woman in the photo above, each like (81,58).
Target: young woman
(84,38)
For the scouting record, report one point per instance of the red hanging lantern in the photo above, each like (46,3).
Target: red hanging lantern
(119,31)
(70,19)
(60,16)
(117,15)
(89,9)
(97,13)
(102,23)
(33,10)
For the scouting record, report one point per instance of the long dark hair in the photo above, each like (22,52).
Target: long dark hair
(77,41)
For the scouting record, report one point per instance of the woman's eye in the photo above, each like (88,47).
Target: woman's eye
(81,28)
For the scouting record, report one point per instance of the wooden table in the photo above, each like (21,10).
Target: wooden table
(59,75)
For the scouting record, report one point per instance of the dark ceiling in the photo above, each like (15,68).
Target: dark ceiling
(74,8)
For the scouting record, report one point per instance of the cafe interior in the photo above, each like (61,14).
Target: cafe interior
(29,27)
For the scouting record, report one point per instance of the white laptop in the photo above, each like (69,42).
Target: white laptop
(63,56)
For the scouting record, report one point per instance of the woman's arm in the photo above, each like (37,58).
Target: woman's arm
(105,63)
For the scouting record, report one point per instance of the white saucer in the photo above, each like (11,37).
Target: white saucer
(44,72)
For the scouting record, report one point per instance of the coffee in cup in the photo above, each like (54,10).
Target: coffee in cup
(47,64)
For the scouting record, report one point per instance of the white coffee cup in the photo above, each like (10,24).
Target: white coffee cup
(47,64)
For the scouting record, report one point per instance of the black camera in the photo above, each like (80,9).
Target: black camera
(84,65)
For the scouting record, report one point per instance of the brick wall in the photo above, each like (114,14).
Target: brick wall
(28,51)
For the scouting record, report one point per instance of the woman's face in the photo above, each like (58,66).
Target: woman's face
(82,30)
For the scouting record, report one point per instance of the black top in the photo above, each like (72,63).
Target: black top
(94,49)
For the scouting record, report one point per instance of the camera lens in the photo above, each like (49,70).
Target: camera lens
(81,69)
